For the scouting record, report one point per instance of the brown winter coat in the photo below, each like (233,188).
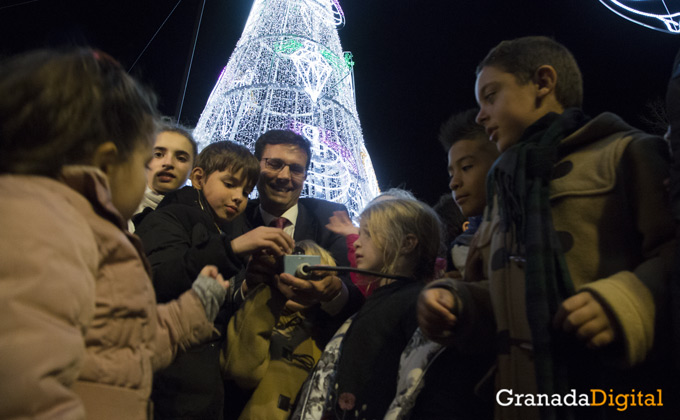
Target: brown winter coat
(610,211)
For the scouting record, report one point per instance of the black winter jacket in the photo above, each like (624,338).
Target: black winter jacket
(181,237)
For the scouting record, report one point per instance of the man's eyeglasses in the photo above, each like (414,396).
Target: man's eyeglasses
(277,165)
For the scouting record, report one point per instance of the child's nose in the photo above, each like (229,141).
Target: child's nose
(454,184)
(481,117)
(167,160)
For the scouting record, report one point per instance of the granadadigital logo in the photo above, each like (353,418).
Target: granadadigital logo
(596,397)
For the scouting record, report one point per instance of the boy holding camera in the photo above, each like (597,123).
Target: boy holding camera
(190,227)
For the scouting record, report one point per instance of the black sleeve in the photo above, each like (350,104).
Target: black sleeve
(179,249)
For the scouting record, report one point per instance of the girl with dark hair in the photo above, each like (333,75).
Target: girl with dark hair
(80,331)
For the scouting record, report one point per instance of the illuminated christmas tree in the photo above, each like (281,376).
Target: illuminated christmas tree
(288,71)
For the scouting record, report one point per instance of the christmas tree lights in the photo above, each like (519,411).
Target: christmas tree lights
(288,71)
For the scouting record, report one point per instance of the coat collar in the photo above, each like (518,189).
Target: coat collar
(594,130)
(93,184)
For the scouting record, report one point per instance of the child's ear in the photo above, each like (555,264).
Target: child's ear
(105,156)
(409,244)
(197,177)
(545,79)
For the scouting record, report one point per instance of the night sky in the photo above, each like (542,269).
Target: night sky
(415,60)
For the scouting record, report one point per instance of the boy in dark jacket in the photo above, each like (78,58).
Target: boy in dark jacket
(189,227)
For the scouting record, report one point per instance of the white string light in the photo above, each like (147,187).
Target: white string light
(288,71)
(654,14)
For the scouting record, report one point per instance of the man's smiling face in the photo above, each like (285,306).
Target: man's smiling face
(280,190)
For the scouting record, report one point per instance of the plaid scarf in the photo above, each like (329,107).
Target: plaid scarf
(520,178)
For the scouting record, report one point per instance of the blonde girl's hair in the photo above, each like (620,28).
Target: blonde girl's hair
(389,222)
(310,247)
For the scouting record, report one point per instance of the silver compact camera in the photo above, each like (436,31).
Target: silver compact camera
(296,264)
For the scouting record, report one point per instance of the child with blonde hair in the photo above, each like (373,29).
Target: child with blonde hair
(340,223)
(356,377)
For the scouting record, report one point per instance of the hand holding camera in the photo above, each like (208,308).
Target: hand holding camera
(302,285)
(272,240)
(309,292)
(292,276)
(262,268)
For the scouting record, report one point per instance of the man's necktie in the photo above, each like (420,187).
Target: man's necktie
(279,222)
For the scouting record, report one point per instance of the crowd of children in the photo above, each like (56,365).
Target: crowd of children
(561,283)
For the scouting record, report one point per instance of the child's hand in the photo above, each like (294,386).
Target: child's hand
(261,269)
(340,223)
(309,292)
(585,317)
(275,241)
(212,271)
(435,313)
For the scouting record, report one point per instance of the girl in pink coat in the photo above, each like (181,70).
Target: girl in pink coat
(80,331)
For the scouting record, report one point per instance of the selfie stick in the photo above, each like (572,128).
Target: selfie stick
(305,269)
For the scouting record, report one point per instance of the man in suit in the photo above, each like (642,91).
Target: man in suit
(284,160)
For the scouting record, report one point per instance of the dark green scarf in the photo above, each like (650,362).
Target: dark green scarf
(521,180)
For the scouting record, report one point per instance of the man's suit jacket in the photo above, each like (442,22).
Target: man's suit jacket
(313,215)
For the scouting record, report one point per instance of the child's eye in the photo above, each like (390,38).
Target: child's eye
(246,193)
(490,96)
(228,184)
(158,154)
(467,167)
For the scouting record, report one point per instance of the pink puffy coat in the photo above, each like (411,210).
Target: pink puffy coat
(80,331)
